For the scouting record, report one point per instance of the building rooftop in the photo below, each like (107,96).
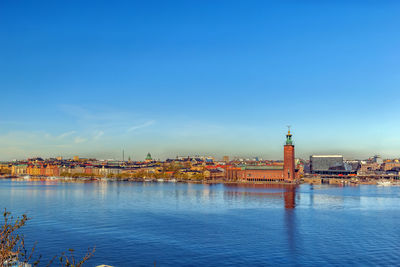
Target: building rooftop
(264,167)
(327,156)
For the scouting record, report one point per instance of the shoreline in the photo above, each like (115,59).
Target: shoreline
(144,180)
(311,181)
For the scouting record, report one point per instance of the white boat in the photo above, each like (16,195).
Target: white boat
(27,177)
(172,180)
(384,183)
(160,180)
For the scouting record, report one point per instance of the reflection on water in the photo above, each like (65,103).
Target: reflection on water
(291,230)
(284,193)
(274,191)
(179,224)
(290,197)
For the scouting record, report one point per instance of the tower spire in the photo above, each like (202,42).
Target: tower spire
(289,140)
(289,170)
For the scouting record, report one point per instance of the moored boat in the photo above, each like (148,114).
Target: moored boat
(384,183)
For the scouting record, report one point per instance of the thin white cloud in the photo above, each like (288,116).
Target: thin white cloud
(66,134)
(94,116)
(79,140)
(76,111)
(100,121)
(98,135)
(144,125)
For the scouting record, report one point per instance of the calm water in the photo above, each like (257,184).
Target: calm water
(213,225)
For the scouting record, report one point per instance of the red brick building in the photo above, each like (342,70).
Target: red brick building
(272,173)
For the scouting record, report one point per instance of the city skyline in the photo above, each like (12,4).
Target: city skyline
(201,78)
(126,155)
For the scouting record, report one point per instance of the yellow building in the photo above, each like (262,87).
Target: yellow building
(19,169)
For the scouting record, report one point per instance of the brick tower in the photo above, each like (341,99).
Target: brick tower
(288,158)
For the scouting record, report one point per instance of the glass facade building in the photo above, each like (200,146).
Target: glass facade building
(327,164)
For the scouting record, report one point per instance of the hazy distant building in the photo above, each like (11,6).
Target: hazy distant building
(148,157)
(225,158)
(377,159)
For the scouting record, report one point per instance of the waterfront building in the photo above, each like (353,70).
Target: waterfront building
(19,169)
(96,171)
(232,173)
(288,158)
(5,168)
(64,170)
(330,165)
(272,172)
(353,165)
(369,168)
(321,163)
(105,171)
(387,166)
(216,173)
(89,170)
(52,170)
(77,170)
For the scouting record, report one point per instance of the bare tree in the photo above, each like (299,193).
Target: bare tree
(13,251)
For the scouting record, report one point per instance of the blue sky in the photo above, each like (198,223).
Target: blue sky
(199,77)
